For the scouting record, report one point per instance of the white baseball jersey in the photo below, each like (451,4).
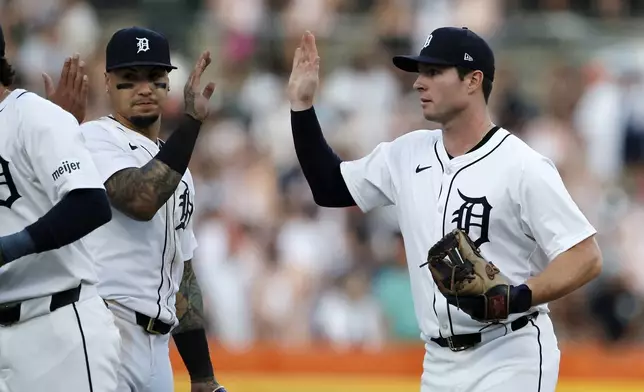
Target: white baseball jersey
(42,158)
(140,264)
(508,198)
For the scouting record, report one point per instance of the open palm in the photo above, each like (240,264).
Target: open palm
(304,78)
(197,100)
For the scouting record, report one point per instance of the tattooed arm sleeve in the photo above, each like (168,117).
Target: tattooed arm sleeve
(140,192)
(189,302)
(190,335)
(136,191)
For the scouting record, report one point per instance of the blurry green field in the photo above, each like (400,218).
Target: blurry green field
(264,383)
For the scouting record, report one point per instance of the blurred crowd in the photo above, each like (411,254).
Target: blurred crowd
(275,267)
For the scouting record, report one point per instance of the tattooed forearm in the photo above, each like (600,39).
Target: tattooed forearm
(140,192)
(189,302)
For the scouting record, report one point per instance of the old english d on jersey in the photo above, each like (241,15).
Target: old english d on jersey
(140,264)
(507,197)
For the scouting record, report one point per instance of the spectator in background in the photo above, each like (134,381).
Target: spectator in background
(392,288)
(78,27)
(348,316)
(42,51)
(599,119)
(227,263)
(552,133)
(360,95)
(632,102)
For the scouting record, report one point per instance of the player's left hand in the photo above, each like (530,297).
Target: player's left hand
(210,386)
(471,283)
(495,304)
(72,90)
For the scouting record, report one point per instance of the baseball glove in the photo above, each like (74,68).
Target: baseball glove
(467,280)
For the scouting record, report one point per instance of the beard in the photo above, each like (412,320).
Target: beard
(143,121)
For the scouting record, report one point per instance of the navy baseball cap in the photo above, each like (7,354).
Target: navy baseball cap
(135,46)
(2,44)
(452,46)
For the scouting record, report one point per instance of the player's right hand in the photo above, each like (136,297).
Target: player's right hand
(72,90)
(304,78)
(197,103)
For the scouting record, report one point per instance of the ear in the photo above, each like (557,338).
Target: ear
(107,82)
(475,81)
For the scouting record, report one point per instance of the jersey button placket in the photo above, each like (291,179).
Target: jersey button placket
(441,206)
(446,178)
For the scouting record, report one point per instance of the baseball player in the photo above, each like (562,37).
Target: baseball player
(56,333)
(471,192)
(144,253)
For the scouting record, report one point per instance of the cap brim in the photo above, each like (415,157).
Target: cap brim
(139,64)
(410,63)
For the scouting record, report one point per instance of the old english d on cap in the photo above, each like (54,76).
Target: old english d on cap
(136,46)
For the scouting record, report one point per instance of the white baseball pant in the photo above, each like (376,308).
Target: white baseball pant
(145,358)
(72,349)
(525,360)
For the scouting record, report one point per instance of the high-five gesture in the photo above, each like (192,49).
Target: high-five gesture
(304,78)
(197,101)
(72,90)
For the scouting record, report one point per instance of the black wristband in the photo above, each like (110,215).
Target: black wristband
(520,298)
(193,348)
(177,150)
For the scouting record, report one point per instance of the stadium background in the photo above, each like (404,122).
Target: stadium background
(304,299)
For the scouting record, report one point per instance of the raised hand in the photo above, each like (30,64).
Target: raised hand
(304,79)
(197,102)
(72,90)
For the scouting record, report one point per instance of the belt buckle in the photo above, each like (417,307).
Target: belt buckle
(454,348)
(150,328)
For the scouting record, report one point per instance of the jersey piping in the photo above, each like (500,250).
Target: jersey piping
(165,241)
(440,192)
(449,190)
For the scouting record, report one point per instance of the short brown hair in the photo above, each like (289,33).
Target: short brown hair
(487,83)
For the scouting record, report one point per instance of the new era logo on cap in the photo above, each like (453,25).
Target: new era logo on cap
(468,57)
(427,41)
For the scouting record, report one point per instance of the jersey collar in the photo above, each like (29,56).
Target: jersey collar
(125,129)
(11,97)
(481,150)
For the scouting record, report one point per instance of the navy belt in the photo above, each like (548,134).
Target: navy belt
(10,314)
(152,325)
(463,342)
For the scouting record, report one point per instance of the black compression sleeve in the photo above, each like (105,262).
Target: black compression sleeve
(177,150)
(320,165)
(79,213)
(193,348)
